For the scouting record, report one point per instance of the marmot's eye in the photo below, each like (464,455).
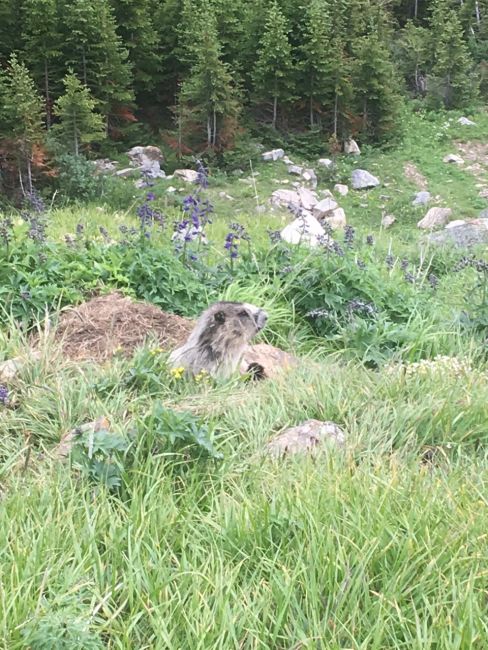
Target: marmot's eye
(243,314)
(220,317)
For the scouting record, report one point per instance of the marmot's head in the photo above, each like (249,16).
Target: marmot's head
(220,337)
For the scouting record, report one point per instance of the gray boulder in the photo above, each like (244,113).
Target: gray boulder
(434,218)
(453,158)
(351,147)
(421,198)
(274,154)
(362,179)
(305,229)
(466,121)
(187,175)
(322,208)
(310,437)
(325,162)
(463,236)
(147,160)
(284,198)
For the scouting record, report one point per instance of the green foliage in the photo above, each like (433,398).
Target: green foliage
(60,629)
(452,82)
(272,74)
(76,179)
(79,124)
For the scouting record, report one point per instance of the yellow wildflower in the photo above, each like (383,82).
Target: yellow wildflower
(177,373)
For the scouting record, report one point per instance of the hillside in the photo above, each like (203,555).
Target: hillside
(139,506)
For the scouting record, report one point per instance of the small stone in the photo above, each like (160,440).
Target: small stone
(351,147)
(435,217)
(483,214)
(306,229)
(66,444)
(362,179)
(325,162)
(322,208)
(224,195)
(284,198)
(171,189)
(483,193)
(266,362)
(10,368)
(187,175)
(307,198)
(336,219)
(421,198)
(274,154)
(455,223)
(128,171)
(463,236)
(311,436)
(466,121)
(388,220)
(326,194)
(453,158)
(343,190)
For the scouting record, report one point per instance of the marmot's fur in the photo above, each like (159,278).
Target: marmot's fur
(219,339)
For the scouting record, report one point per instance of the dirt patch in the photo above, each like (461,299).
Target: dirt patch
(414,175)
(476,152)
(96,329)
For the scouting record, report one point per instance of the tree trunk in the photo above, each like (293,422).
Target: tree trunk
(275,110)
(477,9)
(209,131)
(415,8)
(75,136)
(46,90)
(336,106)
(29,173)
(214,127)
(311,111)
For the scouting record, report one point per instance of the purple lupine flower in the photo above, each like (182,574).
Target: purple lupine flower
(3,395)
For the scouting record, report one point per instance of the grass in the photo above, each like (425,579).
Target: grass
(377,548)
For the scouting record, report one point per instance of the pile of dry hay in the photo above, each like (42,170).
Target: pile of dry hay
(96,329)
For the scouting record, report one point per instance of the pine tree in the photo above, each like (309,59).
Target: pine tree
(10,27)
(209,90)
(413,49)
(274,68)
(93,50)
(23,116)
(376,87)
(136,28)
(452,82)
(42,46)
(317,58)
(79,124)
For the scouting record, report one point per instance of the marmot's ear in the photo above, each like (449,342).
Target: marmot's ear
(220,317)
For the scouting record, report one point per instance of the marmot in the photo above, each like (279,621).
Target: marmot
(219,339)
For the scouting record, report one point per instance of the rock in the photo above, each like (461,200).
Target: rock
(311,436)
(190,233)
(310,176)
(266,362)
(421,198)
(453,158)
(336,219)
(466,121)
(325,162)
(147,160)
(284,198)
(469,234)
(287,161)
(362,179)
(10,368)
(105,166)
(305,228)
(274,154)
(343,190)
(435,217)
(351,147)
(456,223)
(295,169)
(322,208)
(171,189)
(483,193)
(140,183)
(307,198)
(326,194)
(66,444)
(387,220)
(187,175)
(224,195)
(128,171)
(483,214)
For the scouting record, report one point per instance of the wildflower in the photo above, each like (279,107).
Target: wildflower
(3,395)
(274,236)
(433,280)
(370,240)
(361,264)
(409,277)
(390,261)
(104,233)
(201,376)
(80,229)
(6,229)
(349,234)
(150,196)
(404,264)
(177,373)
(202,179)
(320,313)
(361,307)
(337,249)
(69,240)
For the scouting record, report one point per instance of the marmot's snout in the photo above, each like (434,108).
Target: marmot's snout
(260,318)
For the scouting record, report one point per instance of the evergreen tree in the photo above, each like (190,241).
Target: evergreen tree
(317,58)
(42,46)
(93,50)
(452,82)
(22,117)
(79,124)
(10,28)
(413,48)
(376,87)
(274,67)
(209,90)
(136,28)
